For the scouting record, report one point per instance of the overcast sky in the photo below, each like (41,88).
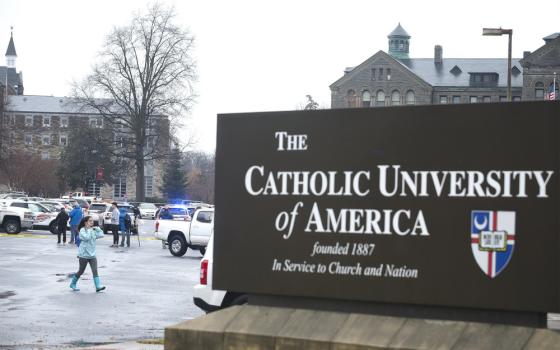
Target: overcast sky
(265,55)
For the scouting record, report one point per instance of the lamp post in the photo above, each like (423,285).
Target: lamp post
(498,32)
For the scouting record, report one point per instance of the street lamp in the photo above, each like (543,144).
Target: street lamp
(498,32)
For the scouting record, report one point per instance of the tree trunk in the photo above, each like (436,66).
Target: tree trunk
(140,188)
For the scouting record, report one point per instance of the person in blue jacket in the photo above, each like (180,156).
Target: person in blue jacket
(75,218)
(86,253)
(125,231)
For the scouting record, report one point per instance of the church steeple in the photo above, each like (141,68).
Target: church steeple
(399,41)
(11,54)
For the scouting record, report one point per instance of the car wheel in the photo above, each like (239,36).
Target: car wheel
(177,245)
(12,226)
(202,250)
(53,227)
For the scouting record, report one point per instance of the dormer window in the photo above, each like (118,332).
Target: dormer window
(484,79)
(455,70)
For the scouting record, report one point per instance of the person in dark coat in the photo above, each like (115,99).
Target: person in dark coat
(61,223)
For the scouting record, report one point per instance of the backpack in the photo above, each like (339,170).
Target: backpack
(127,221)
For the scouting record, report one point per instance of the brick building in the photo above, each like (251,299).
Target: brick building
(42,125)
(393,78)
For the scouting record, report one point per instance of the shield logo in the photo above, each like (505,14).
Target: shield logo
(492,239)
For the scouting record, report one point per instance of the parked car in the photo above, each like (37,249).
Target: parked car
(107,216)
(147,210)
(13,221)
(42,217)
(179,235)
(97,212)
(204,296)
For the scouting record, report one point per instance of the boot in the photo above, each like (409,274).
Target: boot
(98,286)
(73,283)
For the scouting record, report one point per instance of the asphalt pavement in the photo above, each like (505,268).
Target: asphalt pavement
(147,289)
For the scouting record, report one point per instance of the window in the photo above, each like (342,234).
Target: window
(205,216)
(395,98)
(388,73)
(410,98)
(149,186)
(473,99)
(503,99)
(94,190)
(366,99)
(380,73)
(486,99)
(19,205)
(380,98)
(96,122)
(63,140)
(13,120)
(28,140)
(443,99)
(46,140)
(63,122)
(516,98)
(28,120)
(46,121)
(119,188)
(373,70)
(456,99)
(45,155)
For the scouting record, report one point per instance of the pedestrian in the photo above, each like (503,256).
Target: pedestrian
(125,231)
(75,219)
(115,215)
(86,253)
(61,224)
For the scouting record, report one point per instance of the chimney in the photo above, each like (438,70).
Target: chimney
(438,54)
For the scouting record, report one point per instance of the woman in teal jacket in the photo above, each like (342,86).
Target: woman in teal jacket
(86,252)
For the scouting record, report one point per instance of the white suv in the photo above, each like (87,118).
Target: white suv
(204,296)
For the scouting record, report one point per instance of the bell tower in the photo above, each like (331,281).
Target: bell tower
(399,41)
(11,54)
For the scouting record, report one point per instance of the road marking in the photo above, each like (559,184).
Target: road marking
(33,235)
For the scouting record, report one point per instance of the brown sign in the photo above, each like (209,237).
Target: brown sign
(451,205)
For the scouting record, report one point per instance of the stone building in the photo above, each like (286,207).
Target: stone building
(42,125)
(391,79)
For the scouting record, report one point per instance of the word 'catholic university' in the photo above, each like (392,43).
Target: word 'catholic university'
(392,182)
(396,182)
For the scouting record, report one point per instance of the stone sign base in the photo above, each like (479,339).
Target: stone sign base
(264,327)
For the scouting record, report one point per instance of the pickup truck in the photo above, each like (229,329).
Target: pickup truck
(207,298)
(180,235)
(13,222)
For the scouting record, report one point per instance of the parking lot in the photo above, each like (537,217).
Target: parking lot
(147,289)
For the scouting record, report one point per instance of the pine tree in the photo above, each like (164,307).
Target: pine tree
(174,179)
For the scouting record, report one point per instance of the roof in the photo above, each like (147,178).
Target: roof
(45,104)
(11,51)
(10,75)
(399,31)
(440,75)
(551,36)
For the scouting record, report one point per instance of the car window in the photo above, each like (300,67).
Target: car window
(19,205)
(177,211)
(147,206)
(97,207)
(35,208)
(205,216)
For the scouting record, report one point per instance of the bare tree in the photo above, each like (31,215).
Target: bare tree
(141,86)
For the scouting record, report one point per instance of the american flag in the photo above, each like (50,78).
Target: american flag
(551,94)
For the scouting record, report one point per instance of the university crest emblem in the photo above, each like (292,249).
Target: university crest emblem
(492,239)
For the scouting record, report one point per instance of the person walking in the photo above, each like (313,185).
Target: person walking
(86,253)
(115,220)
(75,218)
(61,224)
(125,231)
